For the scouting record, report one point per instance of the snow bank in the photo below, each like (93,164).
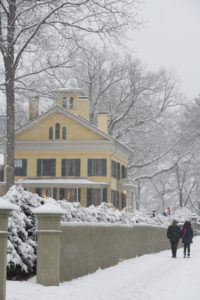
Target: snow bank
(148,277)
(49,209)
(22,224)
(7,205)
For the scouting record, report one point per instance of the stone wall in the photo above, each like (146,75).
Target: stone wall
(86,248)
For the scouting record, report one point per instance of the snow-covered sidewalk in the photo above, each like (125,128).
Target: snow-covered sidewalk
(152,277)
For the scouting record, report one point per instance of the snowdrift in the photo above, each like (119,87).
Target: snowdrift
(22,246)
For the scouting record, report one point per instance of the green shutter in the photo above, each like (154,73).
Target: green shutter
(118,170)
(112,196)
(117,199)
(79,195)
(77,167)
(62,194)
(105,195)
(115,169)
(123,175)
(24,167)
(112,170)
(39,163)
(89,167)
(104,167)
(63,167)
(38,191)
(55,193)
(53,167)
(89,197)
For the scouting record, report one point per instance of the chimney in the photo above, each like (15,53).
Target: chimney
(33,107)
(102,119)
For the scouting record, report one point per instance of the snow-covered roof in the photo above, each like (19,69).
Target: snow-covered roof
(60,182)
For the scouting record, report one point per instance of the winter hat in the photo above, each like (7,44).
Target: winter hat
(174,222)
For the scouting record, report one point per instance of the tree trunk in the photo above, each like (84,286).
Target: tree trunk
(10,94)
(10,143)
(181,198)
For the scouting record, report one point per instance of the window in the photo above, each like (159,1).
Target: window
(97,167)
(55,193)
(38,191)
(57,130)
(123,200)
(1,175)
(115,169)
(51,133)
(20,167)
(115,198)
(70,167)
(46,192)
(118,170)
(71,102)
(64,133)
(94,196)
(124,172)
(46,167)
(64,102)
(70,195)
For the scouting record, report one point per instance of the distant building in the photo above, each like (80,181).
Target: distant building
(60,154)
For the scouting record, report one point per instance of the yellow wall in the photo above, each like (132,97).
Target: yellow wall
(83,156)
(33,108)
(75,131)
(102,120)
(81,107)
(32,161)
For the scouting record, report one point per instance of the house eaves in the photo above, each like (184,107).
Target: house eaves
(74,117)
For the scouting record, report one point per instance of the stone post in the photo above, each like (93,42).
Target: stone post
(5,209)
(130,200)
(48,249)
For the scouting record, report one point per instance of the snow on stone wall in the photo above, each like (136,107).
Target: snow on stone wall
(21,254)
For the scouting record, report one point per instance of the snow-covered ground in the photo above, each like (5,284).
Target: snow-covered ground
(152,277)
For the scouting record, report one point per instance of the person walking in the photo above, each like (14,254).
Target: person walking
(187,236)
(174,234)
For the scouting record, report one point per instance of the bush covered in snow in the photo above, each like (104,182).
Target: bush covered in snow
(182,214)
(22,254)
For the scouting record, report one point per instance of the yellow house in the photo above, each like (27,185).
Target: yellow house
(60,154)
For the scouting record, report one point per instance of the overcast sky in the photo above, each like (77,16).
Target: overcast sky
(171,38)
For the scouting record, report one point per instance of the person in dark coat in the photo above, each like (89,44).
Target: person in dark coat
(187,236)
(174,234)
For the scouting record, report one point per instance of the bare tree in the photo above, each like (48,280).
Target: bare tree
(98,72)
(141,108)
(23,23)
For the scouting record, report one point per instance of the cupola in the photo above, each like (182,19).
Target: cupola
(74,100)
